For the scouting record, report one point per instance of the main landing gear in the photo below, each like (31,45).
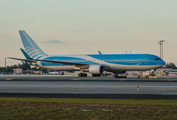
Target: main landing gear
(85,75)
(82,75)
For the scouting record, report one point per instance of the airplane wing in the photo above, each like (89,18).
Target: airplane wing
(51,61)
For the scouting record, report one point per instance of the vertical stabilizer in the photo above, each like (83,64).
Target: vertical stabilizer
(99,52)
(30,46)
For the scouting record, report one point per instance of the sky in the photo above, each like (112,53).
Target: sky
(89,26)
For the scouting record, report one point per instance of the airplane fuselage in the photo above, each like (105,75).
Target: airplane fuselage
(112,62)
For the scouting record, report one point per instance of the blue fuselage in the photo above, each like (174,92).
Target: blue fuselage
(116,62)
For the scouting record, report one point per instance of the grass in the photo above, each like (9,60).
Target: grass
(95,101)
(88,109)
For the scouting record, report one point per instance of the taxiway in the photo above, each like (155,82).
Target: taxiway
(91,87)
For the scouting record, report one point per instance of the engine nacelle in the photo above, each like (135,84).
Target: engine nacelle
(96,69)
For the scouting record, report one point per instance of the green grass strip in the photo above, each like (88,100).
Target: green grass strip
(95,101)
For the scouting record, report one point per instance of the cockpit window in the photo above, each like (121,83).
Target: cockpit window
(158,59)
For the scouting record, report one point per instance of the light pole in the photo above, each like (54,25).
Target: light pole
(161,48)
(5,62)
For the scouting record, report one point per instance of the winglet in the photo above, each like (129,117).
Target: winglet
(25,54)
(99,52)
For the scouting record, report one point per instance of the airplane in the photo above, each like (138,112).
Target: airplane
(95,64)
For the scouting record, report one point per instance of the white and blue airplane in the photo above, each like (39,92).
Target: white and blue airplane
(95,64)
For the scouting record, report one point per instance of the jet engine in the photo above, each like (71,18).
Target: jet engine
(96,69)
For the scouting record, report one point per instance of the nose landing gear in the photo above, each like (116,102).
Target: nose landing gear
(116,75)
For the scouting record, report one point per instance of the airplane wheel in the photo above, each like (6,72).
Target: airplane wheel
(82,75)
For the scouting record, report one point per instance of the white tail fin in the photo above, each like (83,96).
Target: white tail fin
(30,46)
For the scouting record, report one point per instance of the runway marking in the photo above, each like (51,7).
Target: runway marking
(170,80)
(168,77)
(75,79)
(9,79)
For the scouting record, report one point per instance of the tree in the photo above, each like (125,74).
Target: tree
(171,65)
(43,70)
(9,69)
(26,66)
(1,69)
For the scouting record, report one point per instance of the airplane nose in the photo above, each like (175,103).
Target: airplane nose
(163,62)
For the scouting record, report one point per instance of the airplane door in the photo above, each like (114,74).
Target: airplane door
(146,60)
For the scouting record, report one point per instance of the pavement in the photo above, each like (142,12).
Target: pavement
(56,86)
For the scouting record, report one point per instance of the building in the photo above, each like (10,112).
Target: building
(20,71)
(37,72)
(17,71)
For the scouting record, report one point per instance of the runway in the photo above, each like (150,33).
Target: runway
(55,86)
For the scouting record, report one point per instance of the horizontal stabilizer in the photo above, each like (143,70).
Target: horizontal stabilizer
(25,54)
(21,59)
